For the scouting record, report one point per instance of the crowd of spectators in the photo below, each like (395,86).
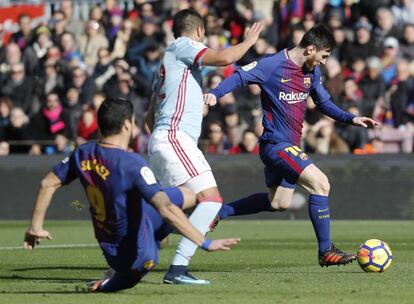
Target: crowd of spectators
(55,74)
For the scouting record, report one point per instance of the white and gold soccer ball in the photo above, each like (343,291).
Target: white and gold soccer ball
(374,256)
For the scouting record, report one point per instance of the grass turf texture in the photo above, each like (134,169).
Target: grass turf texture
(275,263)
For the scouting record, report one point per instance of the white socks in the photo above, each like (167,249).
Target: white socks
(201,218)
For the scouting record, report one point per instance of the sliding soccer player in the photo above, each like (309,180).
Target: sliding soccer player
(129,208)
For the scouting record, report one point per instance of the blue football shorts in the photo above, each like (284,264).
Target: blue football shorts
(284,162)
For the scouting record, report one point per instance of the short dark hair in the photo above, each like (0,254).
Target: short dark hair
(112,115)
(186,21)
(320,36)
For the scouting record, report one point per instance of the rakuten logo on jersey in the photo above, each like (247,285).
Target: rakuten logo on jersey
(293,97)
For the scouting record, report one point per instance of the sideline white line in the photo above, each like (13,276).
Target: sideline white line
(52,246)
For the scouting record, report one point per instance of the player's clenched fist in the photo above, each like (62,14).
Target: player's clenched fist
(210,99)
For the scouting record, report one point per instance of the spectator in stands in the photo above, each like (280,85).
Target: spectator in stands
(35,54)
(90,42)
(340,36)
(119,44)
(23,36)
(51,120)
(18,130)
(19,88)
(335,79)
(84,84)
(96,14)
(233,125)
(389,58)
(57,25)
(322,138)
(352,94)
(248,103)
(364,44)
(111,85)
(87,126)
(72,23)
(115,22)
(2,47)
(355,138)
(74,109)
(51,81)
(104,69)
(148,67)
(13,55)
(5,111)
(372,87)
(148,33)
(4,148)
(401,92)
(125,89)
(249,144)
(216,142)
(69,50)
(403,12)
(385,25)
(407,43)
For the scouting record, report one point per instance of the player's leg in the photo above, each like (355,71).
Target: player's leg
(202,217)
(317,184)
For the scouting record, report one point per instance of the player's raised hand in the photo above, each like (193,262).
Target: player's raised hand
(210,99)
(223,244)
(365,122)
(251,34)
(31,238)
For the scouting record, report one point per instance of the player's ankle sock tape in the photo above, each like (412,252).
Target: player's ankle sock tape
(319,215)
(254,203)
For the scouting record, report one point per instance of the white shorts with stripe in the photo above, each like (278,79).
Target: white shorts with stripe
(175,158)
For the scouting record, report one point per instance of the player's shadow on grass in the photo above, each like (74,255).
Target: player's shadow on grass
(42,292)
(48,279)
(60,268)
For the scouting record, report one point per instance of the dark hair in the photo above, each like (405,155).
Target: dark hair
(186,21)
(320,36)
(112,115)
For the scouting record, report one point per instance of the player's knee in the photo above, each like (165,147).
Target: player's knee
(210,195)
(322,186)
(280,205)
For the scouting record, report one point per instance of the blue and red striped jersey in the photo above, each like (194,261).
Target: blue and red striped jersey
(285,88)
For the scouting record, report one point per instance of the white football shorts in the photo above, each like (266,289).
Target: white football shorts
(176,160)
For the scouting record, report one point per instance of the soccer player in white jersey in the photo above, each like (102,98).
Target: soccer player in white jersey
(175,119)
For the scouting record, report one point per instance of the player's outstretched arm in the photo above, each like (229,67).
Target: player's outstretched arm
(47,188)
(230,55)
(177,218)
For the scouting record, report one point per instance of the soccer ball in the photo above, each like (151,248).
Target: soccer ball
(374,256)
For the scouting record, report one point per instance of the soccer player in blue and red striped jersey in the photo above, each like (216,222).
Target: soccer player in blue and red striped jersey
(129,209)
(286,80)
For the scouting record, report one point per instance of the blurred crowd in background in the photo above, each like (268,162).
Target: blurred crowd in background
(55,73)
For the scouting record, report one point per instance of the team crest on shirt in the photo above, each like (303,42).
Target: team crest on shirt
(307,82)
(249,66)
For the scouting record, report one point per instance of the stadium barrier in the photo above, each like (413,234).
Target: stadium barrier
(362,187)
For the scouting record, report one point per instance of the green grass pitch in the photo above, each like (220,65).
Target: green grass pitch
(274,263)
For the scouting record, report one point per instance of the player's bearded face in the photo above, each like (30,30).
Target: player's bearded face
(317,58)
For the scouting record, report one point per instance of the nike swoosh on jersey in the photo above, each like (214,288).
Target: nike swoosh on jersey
(294,101)
(323,210)
(285,80)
